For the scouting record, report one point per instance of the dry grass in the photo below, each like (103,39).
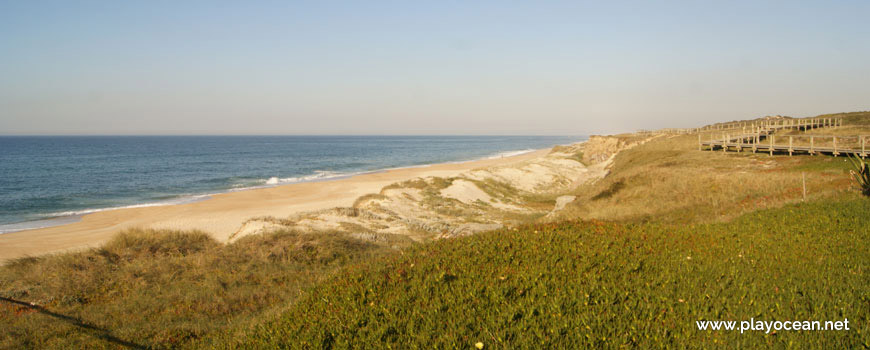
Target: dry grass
(163,288)
(670,180)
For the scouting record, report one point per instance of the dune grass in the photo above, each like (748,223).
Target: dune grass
(670,180)
(579,285)
(162,289)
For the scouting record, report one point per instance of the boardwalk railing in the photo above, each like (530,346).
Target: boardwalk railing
(763,126)
(774,124)
(761,137)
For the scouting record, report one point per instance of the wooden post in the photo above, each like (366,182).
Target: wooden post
(699,141)
(835,147)
(770,138)
(725,143)
(755,144)
(812,145)
(790,150)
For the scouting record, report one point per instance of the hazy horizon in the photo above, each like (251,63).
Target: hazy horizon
(482,68)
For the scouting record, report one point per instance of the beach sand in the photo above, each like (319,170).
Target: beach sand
(223,214)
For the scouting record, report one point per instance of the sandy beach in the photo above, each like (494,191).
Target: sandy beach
(223,214)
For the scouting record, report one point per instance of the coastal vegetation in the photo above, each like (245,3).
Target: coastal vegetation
(596,284)
(668,180)
(671,235)
(162,289)
(861,174)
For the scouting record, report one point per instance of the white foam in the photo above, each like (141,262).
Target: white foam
(67,217)
(60,218)
(181,200)
(510,153)
(32,225)
(319,175)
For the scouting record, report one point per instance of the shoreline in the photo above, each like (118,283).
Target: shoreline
(222,214)
(74,216)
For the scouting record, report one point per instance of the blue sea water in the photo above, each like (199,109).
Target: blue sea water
(50,180)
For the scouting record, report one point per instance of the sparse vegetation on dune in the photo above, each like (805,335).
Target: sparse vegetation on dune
(851,118)
(162,289)
(670,236)
(668,179)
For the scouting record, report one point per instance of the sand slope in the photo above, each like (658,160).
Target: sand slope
(484,198)
(436,201)
(223,214)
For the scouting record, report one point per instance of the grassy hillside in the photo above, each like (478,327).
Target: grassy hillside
(575,285)
(671,236)
(161,288)
(670,180)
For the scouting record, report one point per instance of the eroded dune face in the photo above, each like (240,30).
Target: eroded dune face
(474,201)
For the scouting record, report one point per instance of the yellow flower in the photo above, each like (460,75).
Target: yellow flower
(479,345)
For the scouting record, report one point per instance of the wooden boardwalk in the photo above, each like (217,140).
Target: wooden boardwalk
(761,137)
(753,126)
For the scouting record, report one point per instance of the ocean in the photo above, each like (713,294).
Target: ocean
(51,180)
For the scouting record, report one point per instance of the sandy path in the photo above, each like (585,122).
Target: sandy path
(223,214)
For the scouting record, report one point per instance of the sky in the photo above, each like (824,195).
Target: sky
(424,67)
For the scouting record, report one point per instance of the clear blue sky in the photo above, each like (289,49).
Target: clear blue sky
(414,67)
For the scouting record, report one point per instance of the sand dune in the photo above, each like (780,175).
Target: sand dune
(436,201)
(223,214)
(478,199)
